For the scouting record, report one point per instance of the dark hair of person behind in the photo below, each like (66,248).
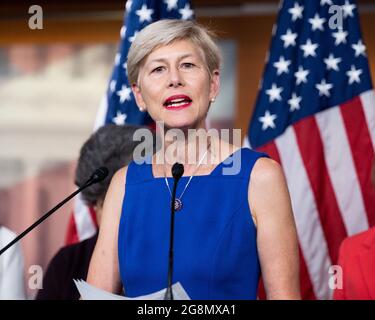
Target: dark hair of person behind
(110,146)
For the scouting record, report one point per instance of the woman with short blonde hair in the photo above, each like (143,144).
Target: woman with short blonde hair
(229,227)
(165,32)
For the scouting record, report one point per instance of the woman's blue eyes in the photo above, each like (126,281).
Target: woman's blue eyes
(185,65)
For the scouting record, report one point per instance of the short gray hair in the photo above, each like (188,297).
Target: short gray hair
(165,32)
(111,146)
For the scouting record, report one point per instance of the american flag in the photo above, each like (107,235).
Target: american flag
(315,115)
(118,105)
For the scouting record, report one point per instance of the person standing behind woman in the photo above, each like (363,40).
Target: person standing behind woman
(111,146)
(229,228)
(11,268)
(357,260)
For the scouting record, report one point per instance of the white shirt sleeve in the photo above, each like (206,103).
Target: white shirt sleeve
(11,269)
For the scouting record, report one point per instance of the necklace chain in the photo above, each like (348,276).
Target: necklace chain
(191,177)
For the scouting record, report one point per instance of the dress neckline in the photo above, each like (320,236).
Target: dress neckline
(217,167)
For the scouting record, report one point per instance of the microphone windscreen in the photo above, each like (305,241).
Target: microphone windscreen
(177,170)
(99,174)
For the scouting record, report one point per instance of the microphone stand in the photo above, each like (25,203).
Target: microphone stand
(98,175)
(177,172)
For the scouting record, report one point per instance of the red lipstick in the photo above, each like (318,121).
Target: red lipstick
(177,102)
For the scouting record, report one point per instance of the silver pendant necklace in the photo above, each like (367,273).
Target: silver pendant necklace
(178,201)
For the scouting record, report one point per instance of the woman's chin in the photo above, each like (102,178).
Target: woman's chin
(180,123)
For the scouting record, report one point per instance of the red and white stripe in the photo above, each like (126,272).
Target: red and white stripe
(368,103)
(341,169)
(310,232)
(327,161)
(82,224)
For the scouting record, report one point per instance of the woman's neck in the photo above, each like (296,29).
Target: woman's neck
(199,154)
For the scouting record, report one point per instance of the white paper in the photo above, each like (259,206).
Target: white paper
(89,292)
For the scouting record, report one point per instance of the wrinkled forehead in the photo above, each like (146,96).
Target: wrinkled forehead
(177,50)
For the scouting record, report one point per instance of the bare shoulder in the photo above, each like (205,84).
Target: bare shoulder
(277,242)
(266,171)
(103,271)
(267,187)
(119,178)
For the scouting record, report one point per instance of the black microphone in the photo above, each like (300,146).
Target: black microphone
(177,172)
(98,175)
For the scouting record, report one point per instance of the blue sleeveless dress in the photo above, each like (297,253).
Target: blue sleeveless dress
(215,251)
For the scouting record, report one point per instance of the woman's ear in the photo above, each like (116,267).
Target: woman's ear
(138,97)
(215,84)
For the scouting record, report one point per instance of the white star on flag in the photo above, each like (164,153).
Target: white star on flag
(324,88)
(294,102)
(332,62)
(124,93)
(348,8)
(125,65)
(112,85)
(323,2)
(122,32)
(268,120)
(301,75)
(354,74)
(282,66)
(289,38)
(186,12)
(128,5)
(274,93)
(144,14)
(131,39)
(117,58)
(171,4)
(120,118)
(340,36)
(359,48)
(296,11)
(309,48)
(317,22)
